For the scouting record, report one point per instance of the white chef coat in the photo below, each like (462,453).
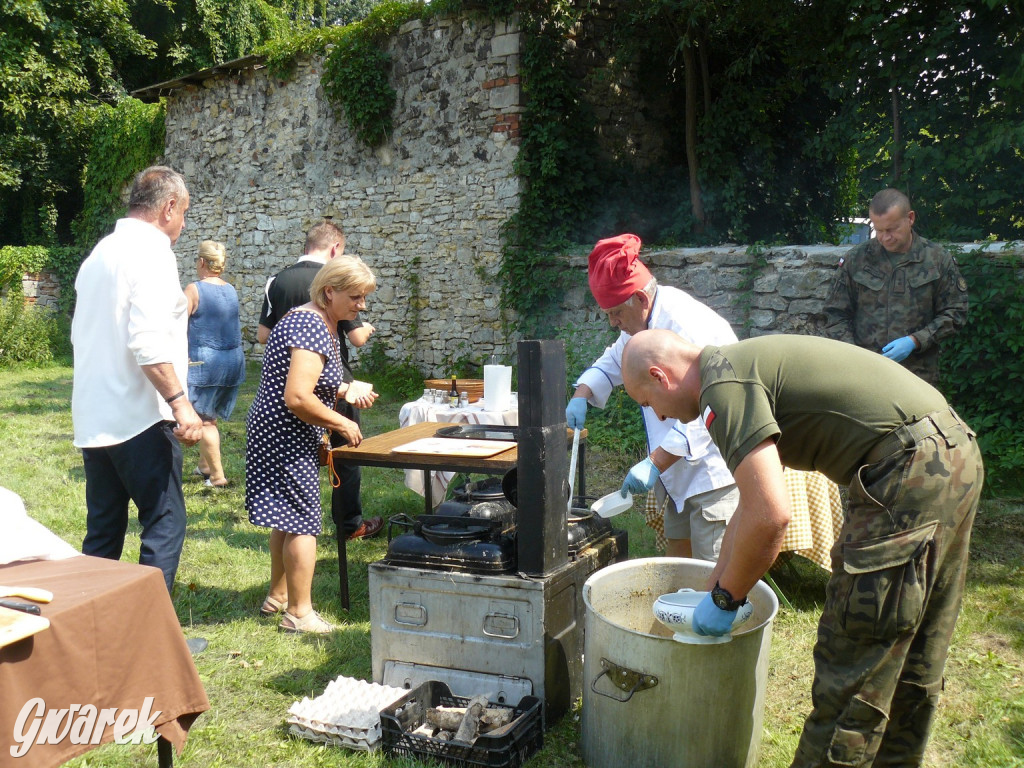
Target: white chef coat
(130,312)
(700,467)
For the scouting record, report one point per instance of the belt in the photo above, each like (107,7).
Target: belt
(946,423)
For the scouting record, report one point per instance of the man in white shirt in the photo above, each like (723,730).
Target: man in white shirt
(683,464)
(130,409)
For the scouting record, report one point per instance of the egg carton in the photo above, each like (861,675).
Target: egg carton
(346,714)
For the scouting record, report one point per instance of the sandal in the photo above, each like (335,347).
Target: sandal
(272,607)
(312,623)
(197,471)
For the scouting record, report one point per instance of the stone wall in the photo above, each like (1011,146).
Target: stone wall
(782,296)
(41,289)
(265,159)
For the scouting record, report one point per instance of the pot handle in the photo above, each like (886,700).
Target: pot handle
(624,679)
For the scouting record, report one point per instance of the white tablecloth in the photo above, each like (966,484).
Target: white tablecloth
(419,411)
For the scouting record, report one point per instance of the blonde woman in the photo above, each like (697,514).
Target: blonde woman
(303,377)
(217,363)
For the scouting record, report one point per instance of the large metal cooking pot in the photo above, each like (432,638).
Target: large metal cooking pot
(650,701)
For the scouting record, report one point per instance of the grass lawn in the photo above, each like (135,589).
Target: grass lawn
(253,674)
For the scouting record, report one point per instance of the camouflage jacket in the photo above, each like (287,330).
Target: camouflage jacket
(878,297)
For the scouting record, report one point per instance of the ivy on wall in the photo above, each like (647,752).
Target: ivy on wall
(556,164)
(126,139)
(355,77)
(62,261)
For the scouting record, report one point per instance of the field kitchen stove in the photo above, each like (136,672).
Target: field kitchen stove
(489,610)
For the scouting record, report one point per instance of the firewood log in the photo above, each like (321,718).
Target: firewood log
(469,728)
(450,718)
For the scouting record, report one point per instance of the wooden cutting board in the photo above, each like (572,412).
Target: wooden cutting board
(447,446)
(17,625)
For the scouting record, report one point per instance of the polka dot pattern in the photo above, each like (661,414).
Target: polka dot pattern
(282,483)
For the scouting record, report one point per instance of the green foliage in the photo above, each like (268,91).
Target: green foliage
(63,262)
(125,139)
(942,118)
(16,261)
(58,61)
(213,31)
(281,52)
(983,365)
(355,79)
(196,34)
(392,380)
(619,426)
(28,335)
(556,163)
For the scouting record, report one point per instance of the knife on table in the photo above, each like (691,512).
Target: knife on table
(14,605)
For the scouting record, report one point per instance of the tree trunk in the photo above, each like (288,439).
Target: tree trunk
(897,138)
(696,195)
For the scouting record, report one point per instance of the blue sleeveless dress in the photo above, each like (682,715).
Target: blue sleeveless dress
(215,340)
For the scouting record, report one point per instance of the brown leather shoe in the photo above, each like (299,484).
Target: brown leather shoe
(367,529)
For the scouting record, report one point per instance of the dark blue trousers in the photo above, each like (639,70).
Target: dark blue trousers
(145,469)
(346,504)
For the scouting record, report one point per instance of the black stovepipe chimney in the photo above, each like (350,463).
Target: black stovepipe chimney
(543,466)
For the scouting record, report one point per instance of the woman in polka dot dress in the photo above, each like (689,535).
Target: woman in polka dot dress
(301,380)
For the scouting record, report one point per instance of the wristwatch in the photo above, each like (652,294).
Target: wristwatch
(723,599)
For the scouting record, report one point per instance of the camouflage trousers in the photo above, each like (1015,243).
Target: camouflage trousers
(898,570)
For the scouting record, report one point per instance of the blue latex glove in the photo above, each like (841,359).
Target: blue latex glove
(899,349)
(709,619)
(576,412)
(641,478)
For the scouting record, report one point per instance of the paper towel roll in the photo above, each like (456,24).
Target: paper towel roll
(497,387)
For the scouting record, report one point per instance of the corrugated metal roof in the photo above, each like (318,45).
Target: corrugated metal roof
(154,92)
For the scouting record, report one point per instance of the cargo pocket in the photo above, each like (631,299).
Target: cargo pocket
(706,534)
(859,729)
(888,582)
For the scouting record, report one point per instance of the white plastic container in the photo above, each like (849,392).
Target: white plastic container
(497,387)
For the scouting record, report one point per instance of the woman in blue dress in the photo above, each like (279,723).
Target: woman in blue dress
(216,360)
(302,378)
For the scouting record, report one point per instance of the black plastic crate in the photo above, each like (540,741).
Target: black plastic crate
(505,747)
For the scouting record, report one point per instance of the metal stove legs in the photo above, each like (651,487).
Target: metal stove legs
(342,567)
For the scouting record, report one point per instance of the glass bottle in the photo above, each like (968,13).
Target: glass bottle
(453,395)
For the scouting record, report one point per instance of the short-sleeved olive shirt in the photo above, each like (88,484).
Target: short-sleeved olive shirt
(827,403)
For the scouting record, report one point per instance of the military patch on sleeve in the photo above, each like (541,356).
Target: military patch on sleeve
(708,416)
(961,284)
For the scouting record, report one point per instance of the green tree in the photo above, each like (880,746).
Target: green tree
(746,97)
(196,34)
(59,60)
(940,95)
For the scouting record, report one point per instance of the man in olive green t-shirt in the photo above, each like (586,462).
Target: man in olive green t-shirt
(914,474)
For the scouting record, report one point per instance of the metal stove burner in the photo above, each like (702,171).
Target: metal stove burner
(465,544)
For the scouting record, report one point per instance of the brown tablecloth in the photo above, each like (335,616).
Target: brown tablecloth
(113,640)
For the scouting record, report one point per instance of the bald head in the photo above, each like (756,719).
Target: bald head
(659,370)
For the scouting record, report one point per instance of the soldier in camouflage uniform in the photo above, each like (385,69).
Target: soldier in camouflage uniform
(898,293)
(898,566)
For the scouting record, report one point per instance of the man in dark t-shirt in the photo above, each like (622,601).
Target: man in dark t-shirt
(290,288)
(898,567)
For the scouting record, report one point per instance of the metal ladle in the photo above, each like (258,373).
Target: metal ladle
(572,466)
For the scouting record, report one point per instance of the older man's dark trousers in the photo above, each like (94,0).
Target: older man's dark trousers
(145,469)
(898,571)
